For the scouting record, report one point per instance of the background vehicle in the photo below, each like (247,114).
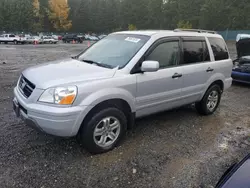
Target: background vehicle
(101,36)
(34,39)
(6,38)
(56,37)
(241,69)
(242,36)
(50,40)
(124,76)
(93,38)
(72,37)
(237,175)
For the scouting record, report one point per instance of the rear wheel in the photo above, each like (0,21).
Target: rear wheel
(15,42)
(103,130)
(210,101)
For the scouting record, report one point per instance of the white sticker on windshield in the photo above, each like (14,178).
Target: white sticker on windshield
(132,39)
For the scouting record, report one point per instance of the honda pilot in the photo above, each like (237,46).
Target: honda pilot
(97,95)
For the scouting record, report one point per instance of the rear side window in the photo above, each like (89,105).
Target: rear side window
(192,52)
(219,48)
(12,36)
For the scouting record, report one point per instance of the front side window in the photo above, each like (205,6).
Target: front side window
(219,48)
(12,36)
(114,50)
(167,54)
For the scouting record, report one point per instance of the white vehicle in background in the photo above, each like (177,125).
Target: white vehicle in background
(34,40)
(94,38)
(242,36)
(101,36)
(49,40)
(55,37)
(6,38)
(27,36)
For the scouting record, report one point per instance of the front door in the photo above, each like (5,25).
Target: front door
(159,91)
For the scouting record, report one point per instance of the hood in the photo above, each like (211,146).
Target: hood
(243,47)
(68,71)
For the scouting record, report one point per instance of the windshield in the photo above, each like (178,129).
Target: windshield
(114,50)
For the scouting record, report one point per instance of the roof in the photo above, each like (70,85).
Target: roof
(144,32)
(168,33)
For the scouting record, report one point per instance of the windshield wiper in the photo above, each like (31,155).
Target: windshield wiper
(96,63)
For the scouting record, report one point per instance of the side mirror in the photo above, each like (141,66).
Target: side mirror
(150,66)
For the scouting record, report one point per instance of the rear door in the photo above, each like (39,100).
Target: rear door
(158,91)
(197,68)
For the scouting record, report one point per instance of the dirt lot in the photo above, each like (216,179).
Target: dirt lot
(177,149)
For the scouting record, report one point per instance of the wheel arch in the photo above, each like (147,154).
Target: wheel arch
(218,82)
(119,103)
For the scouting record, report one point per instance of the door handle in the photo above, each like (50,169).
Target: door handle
(176,75)
(210,69)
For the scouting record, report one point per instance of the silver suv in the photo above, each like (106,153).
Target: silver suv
(98,94)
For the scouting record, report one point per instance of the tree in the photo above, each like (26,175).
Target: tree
(110,15)
(16,15)
(58,13)
(131,27)
(184,25)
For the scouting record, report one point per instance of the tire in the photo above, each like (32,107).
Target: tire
(86,133)
(50,42)
(202,107)
(15,42)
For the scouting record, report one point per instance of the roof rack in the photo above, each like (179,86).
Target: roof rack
(195,30)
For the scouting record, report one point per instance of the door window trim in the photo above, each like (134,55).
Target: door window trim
(159,41)
(191,38)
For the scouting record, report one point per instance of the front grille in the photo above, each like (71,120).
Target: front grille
(25,86)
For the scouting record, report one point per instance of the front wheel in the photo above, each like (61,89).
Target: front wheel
(15,42)
(103,130)
(210,101)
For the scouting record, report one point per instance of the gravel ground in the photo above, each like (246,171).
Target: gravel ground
(177,149)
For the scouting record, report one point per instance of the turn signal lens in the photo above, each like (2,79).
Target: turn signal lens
(67,100)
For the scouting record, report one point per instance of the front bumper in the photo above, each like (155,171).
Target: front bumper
(58,121)
(241,77)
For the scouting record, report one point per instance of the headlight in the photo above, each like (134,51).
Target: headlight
(59,95)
